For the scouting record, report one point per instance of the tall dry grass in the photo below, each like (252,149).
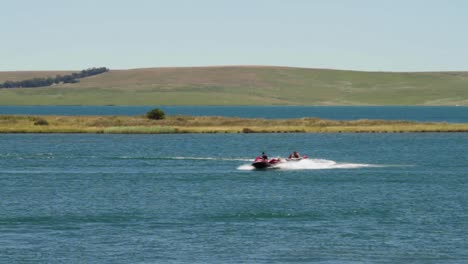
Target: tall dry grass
(203,124)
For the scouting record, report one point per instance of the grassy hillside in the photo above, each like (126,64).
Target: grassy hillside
(244,85)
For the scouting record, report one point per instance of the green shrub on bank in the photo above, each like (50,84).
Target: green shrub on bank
(41,122)
(156,114)
(247,130)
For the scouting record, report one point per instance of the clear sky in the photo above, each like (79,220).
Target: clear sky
(375,35)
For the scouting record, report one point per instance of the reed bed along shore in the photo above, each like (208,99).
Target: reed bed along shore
(205,124)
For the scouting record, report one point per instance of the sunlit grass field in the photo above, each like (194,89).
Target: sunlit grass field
(244,85)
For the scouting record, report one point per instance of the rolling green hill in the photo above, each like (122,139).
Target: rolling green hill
(244,85)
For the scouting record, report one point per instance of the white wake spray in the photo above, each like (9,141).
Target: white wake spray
(312,164)
(305,164)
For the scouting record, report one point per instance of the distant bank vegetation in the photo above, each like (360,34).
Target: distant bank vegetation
(42,82)
(156,114)
(205,124)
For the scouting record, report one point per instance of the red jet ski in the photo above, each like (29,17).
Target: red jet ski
(261,163)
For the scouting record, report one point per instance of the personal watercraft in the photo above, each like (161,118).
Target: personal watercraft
(261,163)
(297,159)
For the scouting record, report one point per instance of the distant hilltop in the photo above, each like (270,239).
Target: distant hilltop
(58,79)
(241,85)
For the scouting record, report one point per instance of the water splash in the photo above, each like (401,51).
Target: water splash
(313,164)
(306,164)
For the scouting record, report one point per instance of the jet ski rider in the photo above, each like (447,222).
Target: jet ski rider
(264,156)
(295,155)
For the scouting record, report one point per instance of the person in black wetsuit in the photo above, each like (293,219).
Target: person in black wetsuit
(264,156)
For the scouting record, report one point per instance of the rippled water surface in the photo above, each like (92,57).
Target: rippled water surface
(361,198)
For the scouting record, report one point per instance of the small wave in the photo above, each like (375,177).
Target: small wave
(21,156)
(261,215)
(184,158)
(67,219)
(43,156)
(313,164)
(227,159)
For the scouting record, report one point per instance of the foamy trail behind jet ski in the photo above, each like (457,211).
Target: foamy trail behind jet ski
(312,164)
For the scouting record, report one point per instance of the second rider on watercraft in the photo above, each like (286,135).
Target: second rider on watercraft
(294,155)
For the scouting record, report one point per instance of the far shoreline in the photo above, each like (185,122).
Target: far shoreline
(221,105)
(213,124)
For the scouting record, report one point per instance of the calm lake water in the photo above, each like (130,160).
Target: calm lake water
(362,198)
(415,113)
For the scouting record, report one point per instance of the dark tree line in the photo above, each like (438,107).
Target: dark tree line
(41,82)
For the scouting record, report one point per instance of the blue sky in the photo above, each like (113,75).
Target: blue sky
(374,35)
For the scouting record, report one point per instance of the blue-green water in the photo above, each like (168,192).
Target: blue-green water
(451,114)
(363,198)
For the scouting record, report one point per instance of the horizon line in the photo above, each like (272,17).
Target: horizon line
(241,66)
